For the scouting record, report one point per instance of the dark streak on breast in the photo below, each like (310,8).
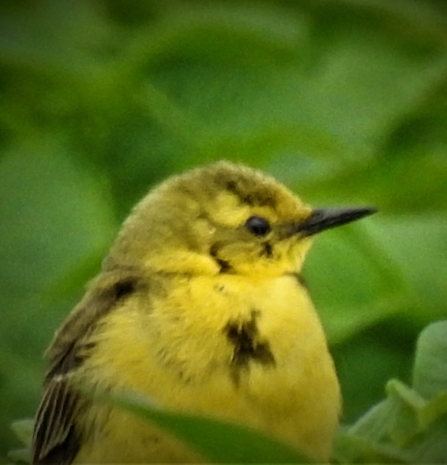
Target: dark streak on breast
(225,266)
(248,345)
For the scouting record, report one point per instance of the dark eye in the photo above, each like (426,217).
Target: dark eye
(257,226)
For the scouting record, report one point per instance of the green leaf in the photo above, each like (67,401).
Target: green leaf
(19,456)
(350,448)
(431,445)
(23,429)
(404,424)
(220,442)
(433,410)
(430,366)
(374,423)
(395,419)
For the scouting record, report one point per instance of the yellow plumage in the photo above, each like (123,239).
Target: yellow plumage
(200,308)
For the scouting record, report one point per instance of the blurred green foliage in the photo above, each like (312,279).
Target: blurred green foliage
(345,101)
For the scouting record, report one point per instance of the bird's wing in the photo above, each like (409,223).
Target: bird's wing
(56,437)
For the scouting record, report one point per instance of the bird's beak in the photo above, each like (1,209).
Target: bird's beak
(321,219)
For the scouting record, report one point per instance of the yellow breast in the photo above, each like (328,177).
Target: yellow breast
(239,349)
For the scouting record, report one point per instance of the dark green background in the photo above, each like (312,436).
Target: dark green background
(345,101)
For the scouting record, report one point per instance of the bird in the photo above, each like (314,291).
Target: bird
(200,307)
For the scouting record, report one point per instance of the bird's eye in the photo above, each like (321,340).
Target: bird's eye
(257,226)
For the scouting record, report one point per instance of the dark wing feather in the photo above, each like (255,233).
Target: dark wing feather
(56,437)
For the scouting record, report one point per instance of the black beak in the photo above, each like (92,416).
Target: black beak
(321,219)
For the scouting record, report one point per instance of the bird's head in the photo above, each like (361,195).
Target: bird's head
(224,218)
